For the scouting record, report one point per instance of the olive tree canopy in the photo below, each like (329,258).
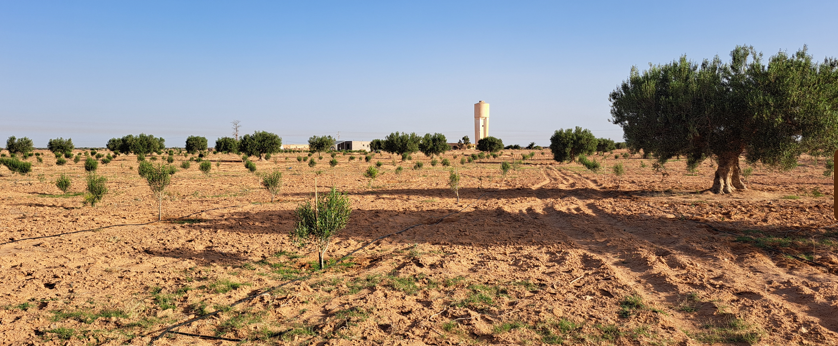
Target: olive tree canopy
(320,143)
(433,144)
(400,143)
(771,112)
(260,143)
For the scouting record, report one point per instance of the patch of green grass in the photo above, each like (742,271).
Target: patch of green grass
(448,282)
(199,308)
(87,316)
(481,297)
(167,301)
(689,303)
(67,195)
(609,332)
(327,285)
(358,284)
(63,333)
(225,285)
(302,331)
(238,321)
(791,197)
(450,326)
(630,306)
(508,326)
(285,272)
(734,330)
(23,306)
(288,254)
(529,286)
(333,264)
(404,284)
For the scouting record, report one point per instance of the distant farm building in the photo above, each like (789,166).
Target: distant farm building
(295,146)
(353,145)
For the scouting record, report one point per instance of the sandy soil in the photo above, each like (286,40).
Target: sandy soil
(550,254)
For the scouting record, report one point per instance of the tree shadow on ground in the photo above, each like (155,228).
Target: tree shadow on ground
(202,257)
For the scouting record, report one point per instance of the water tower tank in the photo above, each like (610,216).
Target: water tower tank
(481,121)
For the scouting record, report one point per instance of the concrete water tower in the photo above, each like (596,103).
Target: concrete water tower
(481,121)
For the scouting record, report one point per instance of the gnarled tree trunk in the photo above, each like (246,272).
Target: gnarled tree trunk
(728,175)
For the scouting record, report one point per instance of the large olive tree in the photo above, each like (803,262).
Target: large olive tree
(770,112)
(260,143)
(433,144)
(320,143)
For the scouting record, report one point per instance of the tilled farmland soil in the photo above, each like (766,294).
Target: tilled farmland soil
(549,254)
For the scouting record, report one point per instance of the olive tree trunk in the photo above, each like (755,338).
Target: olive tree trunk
(728,175)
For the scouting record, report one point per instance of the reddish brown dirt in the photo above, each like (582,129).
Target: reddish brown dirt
(552,253)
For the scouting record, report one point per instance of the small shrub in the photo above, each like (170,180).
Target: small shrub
(322,220)
(454,183)
(77,159)
(272,182)
(618,169)
(399,170)
(170,159)
(311,162)
(626,155)
(251,166)
(184,165)
(591,165)
(96,189)
(158,178)
(830,167)
(462,160)
(504,168)
(470,159)
(106,160)
(434,162)
(140,157)
(268,156)
(333,162)
(747,172)
(205,167)
(446,163)
(367,158)
(352,158)
(90,165)
(481,155)
(418,165)
(63,183)
(371,173)
(378,164)
(299,159)
(60,161)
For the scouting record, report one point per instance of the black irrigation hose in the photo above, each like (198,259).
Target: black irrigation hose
(170,329)
(112,226)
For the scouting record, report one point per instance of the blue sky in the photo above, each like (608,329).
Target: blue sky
(93,70)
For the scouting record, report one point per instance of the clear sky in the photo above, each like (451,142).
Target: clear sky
(93,70)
